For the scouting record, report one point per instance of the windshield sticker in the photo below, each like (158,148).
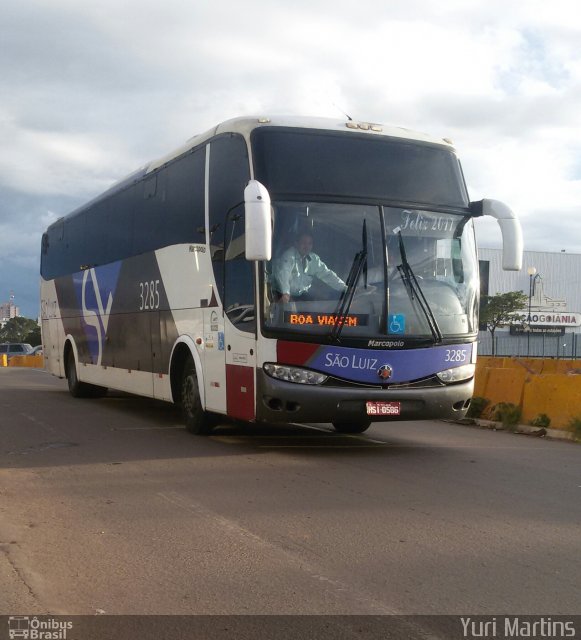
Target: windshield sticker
(396,323)
(425,222)
(326,319)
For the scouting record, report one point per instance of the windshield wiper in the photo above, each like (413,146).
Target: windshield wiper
(412,286)
(358,265)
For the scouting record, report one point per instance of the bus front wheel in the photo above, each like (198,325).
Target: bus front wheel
(351,427)
(196,419)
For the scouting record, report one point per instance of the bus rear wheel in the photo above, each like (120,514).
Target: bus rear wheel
(77,388)
(197,421)
(351,427)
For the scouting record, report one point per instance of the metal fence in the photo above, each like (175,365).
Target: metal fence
(534,346)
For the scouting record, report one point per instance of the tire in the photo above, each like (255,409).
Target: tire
(81,389)
(351,427)
(197,421)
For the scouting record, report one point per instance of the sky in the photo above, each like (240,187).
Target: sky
(90,91)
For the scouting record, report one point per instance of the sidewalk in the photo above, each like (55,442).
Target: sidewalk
(526,429)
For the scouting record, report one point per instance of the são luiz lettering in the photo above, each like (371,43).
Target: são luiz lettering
(342,361)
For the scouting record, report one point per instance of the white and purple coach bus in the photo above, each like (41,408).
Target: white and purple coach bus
(277,270)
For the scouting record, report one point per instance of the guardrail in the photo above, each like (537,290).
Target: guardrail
(34,362)
(566,346)
(536,385)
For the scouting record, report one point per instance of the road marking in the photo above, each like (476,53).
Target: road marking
(298,561)
(42,447)
(39,423)
(307,442)
(145,428)
(321,446)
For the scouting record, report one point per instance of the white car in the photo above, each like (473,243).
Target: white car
(15,349)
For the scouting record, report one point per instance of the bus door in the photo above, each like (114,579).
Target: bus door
(239,321)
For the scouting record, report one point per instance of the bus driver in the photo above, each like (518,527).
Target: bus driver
(296,269)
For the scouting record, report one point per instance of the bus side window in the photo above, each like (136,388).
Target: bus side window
(229,175)
(238,275)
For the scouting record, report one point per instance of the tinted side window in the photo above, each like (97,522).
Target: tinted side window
(115,216)
(171,205)
(52,246)
(184,214)
(163,208)
(229,175)
(75,253)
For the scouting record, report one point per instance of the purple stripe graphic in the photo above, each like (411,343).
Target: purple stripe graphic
(362,365)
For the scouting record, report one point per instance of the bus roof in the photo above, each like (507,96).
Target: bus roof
(245,126)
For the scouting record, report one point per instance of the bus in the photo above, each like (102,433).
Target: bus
(277,270)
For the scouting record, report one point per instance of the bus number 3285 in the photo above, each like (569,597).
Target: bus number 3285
(455,355)
(149,295)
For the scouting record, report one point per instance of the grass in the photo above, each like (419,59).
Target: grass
(508,414)
(575,427)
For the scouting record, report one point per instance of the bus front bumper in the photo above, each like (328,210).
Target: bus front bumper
(280,401)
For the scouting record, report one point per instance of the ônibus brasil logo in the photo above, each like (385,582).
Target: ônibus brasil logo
(36,628)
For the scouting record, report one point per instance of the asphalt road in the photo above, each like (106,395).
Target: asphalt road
(110,506)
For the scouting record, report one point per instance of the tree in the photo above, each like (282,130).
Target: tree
(34,338)
(501,309)
(17,329)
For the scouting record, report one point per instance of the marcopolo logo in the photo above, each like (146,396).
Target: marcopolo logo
(390,344)
(36,628)
(384,372)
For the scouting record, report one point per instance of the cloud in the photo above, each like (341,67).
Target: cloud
(90,91)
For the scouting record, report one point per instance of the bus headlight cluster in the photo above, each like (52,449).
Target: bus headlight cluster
(294,374)
(465,372)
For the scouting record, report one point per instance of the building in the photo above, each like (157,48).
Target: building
(552,284)
(8,310)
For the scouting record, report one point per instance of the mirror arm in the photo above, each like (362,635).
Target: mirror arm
(512,240)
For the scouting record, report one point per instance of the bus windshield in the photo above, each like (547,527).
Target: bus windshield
(376,271)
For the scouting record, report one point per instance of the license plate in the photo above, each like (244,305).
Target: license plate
(383,408)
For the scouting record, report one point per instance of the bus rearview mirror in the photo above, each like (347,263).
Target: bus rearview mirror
(258,221)
(510,228)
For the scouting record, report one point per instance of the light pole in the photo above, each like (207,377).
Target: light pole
(533,275)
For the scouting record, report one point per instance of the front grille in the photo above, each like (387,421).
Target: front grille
(432,381)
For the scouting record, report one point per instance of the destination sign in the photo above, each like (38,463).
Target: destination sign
(325,319)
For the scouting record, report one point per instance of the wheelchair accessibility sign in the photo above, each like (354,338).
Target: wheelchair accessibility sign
(396,323)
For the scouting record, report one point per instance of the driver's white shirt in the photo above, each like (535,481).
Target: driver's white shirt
(294,279)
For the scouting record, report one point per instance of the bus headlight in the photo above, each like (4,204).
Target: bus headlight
(465,372)
(294,374)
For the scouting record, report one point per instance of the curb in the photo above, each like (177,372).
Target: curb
(523,429)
